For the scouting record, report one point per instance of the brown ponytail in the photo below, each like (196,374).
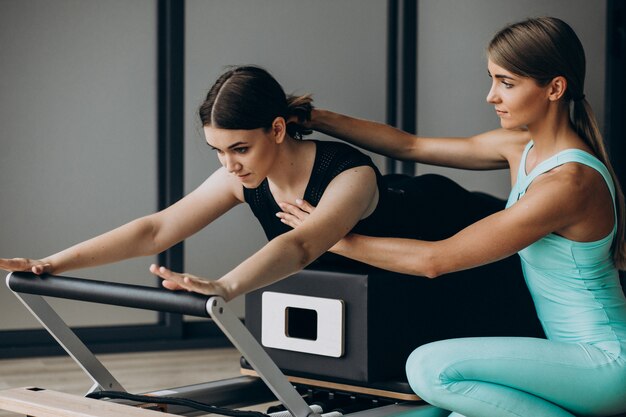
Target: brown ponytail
(542,49)
(299,107)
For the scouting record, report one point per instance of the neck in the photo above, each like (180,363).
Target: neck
(290,166)
(554,133)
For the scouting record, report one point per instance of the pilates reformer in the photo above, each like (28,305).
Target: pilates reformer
(266,383)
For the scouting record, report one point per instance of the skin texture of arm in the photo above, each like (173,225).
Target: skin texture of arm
(148,235)
(553,203)
(488,150)
(343,204)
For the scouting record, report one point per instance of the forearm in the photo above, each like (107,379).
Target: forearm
(128,241)
(406,256)
(374,136)
(278,259)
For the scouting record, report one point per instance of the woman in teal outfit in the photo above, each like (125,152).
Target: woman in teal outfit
(564,216)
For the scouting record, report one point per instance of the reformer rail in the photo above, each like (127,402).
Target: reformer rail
(29,288)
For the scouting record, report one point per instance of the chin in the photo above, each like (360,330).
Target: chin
(251,185)
(507,124)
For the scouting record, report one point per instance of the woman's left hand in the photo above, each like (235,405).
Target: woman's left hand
(176,281)
(294,215)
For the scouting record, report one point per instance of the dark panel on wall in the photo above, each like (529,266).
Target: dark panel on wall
(615,121)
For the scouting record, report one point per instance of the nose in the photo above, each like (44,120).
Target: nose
(492,96)
(231,164)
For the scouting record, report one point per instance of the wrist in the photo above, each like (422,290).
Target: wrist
(318,117)
(50,266)
(226,290)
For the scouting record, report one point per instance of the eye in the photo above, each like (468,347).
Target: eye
(507,85)
(241,150)
(218,151)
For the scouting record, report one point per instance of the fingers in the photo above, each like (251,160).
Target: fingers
(293,215)
(289,219)
(25,264)
(175,281)
(305,206)
(42,269)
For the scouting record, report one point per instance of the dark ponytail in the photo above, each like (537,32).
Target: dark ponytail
(248,97)
(545,48)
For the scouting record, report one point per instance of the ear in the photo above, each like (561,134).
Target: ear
(557,88)
(279,129)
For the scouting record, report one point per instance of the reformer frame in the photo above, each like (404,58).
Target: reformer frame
(235,392)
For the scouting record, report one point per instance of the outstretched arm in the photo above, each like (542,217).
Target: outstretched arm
(550,205)
(345,201)
(148,235)
(485,151)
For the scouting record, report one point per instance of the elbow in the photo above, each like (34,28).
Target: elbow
(431,273)
(307,253)
(433,267)
(303,252)
(148,232)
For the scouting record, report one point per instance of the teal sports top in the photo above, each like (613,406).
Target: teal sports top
(575,285)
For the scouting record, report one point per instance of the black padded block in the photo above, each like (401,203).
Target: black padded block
(388,315)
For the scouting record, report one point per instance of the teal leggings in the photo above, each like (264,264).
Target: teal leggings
(519,377)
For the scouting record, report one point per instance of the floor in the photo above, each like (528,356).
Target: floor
(137,372)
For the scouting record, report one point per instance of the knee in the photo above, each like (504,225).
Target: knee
(424,368)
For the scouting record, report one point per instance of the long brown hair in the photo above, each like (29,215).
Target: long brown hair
(542,49)
(248,97)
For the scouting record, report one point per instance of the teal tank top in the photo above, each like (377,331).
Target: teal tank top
(575,285)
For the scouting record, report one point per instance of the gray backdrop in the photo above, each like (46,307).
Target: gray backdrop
(78,104)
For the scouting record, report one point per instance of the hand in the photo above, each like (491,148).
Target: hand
(294,215)
(176,281)
(23,264)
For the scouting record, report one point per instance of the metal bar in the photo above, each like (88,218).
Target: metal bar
(102,378)
(257,357)
(113,293)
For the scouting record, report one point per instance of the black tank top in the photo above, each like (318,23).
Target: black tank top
(427,207)
(331,159)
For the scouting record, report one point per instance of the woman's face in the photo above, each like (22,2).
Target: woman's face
(518,101)
(246,154)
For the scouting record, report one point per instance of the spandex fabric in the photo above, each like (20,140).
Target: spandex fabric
(579,371)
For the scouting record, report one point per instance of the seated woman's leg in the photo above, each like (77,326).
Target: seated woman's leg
(518,377)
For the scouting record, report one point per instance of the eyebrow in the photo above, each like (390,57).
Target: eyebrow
(500,76)
(234,145)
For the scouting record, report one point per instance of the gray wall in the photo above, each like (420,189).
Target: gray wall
(452,69)
(78,107)
(78,135)
(333,49)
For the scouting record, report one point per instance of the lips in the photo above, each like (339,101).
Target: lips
(500,112)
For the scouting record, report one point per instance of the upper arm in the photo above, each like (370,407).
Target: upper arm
(545,208)
(489,150)
(218,194)
(343,204)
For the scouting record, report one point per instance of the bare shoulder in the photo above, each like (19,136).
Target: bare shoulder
(509,143)
(573,187)
(224,183)
(580,181)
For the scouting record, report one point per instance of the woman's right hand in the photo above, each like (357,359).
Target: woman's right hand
(35,266)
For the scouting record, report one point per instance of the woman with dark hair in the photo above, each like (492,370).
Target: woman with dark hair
(245,118)
(564,216)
